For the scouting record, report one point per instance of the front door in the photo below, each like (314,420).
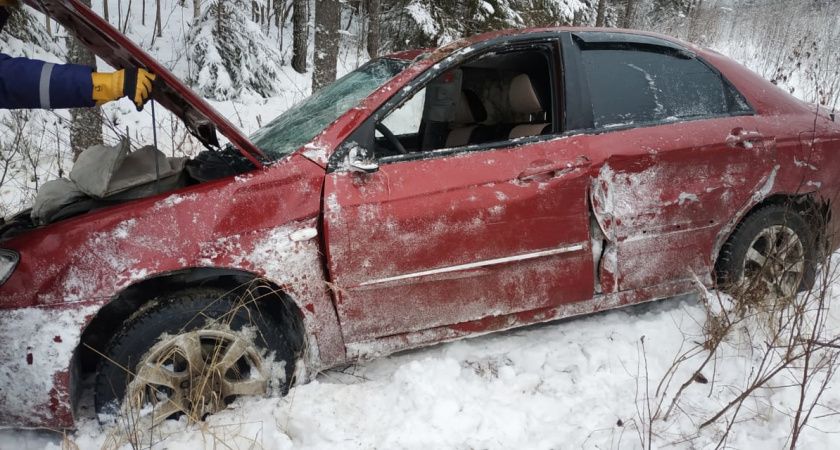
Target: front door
(450,239)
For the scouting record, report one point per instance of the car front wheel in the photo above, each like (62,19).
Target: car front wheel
(771,253)
(191,354)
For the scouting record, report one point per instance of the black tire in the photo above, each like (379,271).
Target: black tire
(203,322)
(772,251)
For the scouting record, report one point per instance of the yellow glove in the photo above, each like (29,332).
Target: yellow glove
(136,84)
(9,2)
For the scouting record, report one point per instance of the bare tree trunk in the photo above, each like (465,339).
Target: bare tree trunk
(373,32)
(86,124)
(158,19)
(48,25)
(105,12)
(327,24)
(142,14)
(629,7)
(119,14)
(694,19)
(602,9)
(300,35)
(196,10)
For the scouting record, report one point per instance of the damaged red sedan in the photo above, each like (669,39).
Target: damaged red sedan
(502,180)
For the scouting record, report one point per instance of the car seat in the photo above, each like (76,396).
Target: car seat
(525,100)
(465,129)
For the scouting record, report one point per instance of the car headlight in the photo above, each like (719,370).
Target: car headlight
(8,262)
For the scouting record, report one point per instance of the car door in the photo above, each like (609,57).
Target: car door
(453,235)
(679,154)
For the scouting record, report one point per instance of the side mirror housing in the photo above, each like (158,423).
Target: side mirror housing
(352,157)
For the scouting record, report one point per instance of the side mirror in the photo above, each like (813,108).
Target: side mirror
(362,166)
(351,156)
(358,160)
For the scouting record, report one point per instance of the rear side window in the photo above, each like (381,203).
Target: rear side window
(639,85)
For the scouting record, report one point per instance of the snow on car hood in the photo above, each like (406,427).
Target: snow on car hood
(120,52)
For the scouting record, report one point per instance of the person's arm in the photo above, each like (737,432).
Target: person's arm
(28,83)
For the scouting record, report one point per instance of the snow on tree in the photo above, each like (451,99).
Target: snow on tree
(427,23)
(25,27)
(229,55)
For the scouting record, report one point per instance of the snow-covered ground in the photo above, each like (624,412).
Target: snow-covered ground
(580,383)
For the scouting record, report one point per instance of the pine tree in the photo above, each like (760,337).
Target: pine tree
(602,13)
(429,23)
(228,53)
(629,8)
(24,26)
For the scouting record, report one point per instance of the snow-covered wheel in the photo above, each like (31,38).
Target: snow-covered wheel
(771,253)
(191,354)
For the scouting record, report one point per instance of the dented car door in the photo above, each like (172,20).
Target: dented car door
(678,156)
(445,240)
(664,193)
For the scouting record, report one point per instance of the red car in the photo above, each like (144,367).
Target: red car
(502,180)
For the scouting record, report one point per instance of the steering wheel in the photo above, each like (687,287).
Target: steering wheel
(380,127)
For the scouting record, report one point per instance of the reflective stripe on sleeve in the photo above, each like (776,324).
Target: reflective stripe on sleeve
(44,85)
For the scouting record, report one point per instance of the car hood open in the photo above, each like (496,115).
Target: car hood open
(119,51)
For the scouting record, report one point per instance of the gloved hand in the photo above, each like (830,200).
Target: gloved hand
(9,2)
(136,84)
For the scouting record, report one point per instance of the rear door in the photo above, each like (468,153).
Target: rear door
(679,155)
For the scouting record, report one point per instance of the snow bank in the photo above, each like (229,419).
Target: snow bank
(580,383)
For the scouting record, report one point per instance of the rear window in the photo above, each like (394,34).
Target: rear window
(639,85)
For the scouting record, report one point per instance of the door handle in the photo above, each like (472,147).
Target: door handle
(743,138)
(545,172)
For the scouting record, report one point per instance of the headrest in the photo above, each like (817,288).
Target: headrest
(523,97)
(470,109)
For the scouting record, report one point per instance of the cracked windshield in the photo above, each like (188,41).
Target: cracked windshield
(305,120)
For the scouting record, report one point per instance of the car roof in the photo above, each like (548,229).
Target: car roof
(120,52)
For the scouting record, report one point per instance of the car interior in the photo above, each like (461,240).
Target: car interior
(497,98)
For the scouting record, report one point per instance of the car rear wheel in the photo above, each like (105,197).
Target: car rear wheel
(191,354)
(771,253)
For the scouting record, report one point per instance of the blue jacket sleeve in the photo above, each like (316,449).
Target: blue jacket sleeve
(27,83)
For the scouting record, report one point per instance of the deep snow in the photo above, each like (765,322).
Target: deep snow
(578,383)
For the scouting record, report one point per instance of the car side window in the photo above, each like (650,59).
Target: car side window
(407,117)
(484,103)
(641,85)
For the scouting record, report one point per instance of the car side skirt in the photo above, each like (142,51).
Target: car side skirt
(389,344)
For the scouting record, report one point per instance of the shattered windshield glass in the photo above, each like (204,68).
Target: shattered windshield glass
(304,121)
